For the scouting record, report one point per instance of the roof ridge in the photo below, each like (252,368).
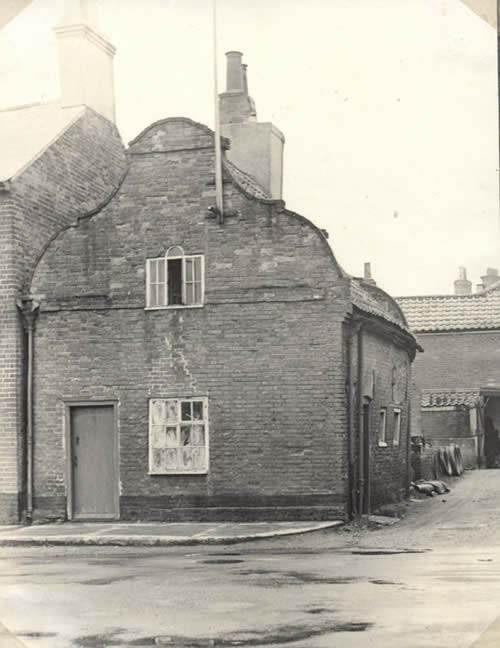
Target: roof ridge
(29,105)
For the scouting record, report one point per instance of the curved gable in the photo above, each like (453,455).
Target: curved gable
(172,134)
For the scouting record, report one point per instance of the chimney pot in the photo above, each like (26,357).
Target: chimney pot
(235,79)
(491,277)
(367,277)
(462,285)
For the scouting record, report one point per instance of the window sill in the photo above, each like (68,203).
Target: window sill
(382,444)
(178,473)
(173,307)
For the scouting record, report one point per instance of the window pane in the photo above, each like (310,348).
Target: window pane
(197,293)
(152,270)
(198,410)
(158,412)
(186,411)
(171,459)
(187,459)
(157,462)
(198,458)
(185,435)
(161,271)
(158,436)
(190,294)
(198,435)
(171,437)
(189,269)
(152,301)
(197,269)
(171,412)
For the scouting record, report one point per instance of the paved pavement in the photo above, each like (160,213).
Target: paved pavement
(151,535)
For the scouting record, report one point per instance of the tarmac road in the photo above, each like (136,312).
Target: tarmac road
(432,580)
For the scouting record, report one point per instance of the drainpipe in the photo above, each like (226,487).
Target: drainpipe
(409,394)
(361,456)
(29,310)
(352,511)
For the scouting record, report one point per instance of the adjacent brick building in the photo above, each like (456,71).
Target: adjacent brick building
(57,160)
(189,366)
(458,376)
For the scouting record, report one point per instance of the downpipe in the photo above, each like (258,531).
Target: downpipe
(29,310)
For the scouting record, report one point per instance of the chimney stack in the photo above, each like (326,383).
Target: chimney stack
(85,61)
(367,278)
(491,277)
(462,285)
(256,147)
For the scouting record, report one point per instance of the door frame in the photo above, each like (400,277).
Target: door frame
(68,405)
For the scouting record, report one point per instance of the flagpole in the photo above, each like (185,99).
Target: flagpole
(219,200)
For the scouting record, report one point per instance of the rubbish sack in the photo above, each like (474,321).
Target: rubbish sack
(424,487)
(439,486)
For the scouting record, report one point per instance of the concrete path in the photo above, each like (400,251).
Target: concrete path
(152,535)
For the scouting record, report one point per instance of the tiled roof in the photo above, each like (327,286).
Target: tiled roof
(447,398)
(453,312)
(27,131)
(246,181)
(382,307)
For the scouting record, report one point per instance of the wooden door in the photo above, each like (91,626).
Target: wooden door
(93,462)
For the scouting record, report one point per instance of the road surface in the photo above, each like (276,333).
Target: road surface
(432,580)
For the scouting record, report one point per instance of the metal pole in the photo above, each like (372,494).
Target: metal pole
(219,200)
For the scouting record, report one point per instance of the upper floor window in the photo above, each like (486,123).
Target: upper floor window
(177,279)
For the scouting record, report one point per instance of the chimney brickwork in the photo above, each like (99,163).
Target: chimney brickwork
(256,147)
(462,285)
(85,61)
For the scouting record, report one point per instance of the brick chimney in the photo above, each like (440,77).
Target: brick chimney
(85,61)
(462,285)
(491,277)
(256,147)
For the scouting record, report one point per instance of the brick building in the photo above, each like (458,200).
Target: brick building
(188,366)
(56,159)
(458,376)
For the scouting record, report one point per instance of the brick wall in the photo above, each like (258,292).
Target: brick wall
(74,174)
(388,465)
(266,348)
(458,360)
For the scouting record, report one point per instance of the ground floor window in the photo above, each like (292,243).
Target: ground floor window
(178,436)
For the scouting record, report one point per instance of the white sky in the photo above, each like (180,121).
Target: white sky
(389,109)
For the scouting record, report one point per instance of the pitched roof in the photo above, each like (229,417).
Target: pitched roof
(246,181)
(27,131)
(449,397)
(453,312)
